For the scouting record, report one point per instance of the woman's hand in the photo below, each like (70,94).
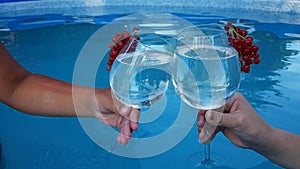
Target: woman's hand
(243,126)
(239,122)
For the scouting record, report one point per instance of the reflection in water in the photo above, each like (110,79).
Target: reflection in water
(264,165)
(68,157)
(262,82)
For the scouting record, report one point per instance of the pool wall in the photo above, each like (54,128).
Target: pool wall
(286,11)
(290,6)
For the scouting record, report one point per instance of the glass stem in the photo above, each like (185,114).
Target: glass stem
(207,152)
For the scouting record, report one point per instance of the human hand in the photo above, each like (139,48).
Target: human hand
(115,114)
(239,122)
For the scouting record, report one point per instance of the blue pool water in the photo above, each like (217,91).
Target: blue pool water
(50,41)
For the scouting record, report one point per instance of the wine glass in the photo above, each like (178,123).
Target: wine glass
(205,74)
(141,72)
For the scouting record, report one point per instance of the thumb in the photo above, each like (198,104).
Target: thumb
(220,119)
(120,108)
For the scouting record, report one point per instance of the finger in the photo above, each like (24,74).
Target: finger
(131,114)
(205,138)
(229,105)
(124,111)
(126,129)
(214,117)
(121,108)
(199,129)
(201,120)
(201,112)
(202,136)
(123,139)
(200,117)
(221,119)
(207,133)
(125,133)
(134,118)
(127,112)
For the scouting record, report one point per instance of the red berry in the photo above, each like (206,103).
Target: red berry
(246,51)
(246,68)
(114,53)
(237,28)
(236,42)
(246,57)
(243,32)
(226,28)
(119,41)
(255,56)
(248,42)
(119,45)
(114,39)
(239,48)
(249,38)
(248,61)
(137,37)
(126,34)
(244,45)
(111,59)
(110,63)
(254,48)
(256,61)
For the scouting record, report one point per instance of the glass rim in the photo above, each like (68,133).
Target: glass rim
(199,30)
(230,52)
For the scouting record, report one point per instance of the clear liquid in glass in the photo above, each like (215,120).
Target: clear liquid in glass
(201,75)
(139,79)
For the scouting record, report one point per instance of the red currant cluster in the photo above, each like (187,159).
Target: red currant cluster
(248,52)
(119,42)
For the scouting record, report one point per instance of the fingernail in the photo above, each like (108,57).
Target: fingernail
(208,116)
(201,138)
(212,117)
(124,110)
(201,135)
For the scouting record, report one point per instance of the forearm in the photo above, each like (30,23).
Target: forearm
(45,96)
(37,94)
(282,148)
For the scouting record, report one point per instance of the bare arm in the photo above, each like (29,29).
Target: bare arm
(281,147)
(44,96)
(33,93)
